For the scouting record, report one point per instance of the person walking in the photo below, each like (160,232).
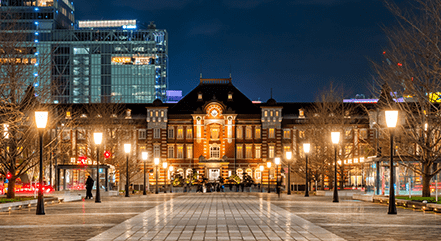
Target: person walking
(89,185)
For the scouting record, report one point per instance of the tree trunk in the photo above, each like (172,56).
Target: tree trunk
(426,186)
(11,188)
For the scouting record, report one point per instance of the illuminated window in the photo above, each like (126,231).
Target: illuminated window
(180,152)
(271,152)
(286,134)
(266,113)
(248,151)
(180,134)
(286,149)
(230,96)
(257,152)
(277,113)
(215,152)
(239,152)
(271,133)
(200,96)
(68,116)
(257,174)
(301,113)
(189,151)
(214,135)
(189,132)
(271,113)
(257,133)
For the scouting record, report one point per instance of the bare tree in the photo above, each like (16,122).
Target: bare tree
(412,70)
(328,114)
(24,79)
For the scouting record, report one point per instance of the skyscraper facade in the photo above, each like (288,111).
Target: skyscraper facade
(90,61)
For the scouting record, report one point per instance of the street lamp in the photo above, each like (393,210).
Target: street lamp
(335,136)
(164,165)
(127,148)
(306,148)
(170,169)
(268,164)
(144,158)
(391,122)
(156,164)
(261,178)
(288,157)
(277,162)
(41,120)
(98,137)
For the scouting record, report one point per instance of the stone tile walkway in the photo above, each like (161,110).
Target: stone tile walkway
(216,217)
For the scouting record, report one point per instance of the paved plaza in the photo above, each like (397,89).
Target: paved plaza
(219,216)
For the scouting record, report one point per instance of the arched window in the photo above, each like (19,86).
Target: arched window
(249,172)
(257,174)
(180,171)
(239,172)
(188,173)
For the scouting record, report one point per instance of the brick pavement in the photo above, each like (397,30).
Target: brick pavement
(211,216)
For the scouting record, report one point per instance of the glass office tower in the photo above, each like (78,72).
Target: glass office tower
(109,61)
(91,61)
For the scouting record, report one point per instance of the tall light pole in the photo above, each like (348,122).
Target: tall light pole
(335,136)
(306,148)
(170,169)
(41,120)
(156,164)
(277,162)
(144,158)
(288,158)
(268,164)
(98,137)
(127,148)
(164,165)
(391,122)
(261,177)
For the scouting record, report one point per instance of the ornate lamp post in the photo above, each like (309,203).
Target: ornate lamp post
(391,122)
(335,136)
(98,137)
(41,120)
(156,164)
(164,165)
(277,162)
(144,158)
(170,169)
(268,164)
(306,148)
(288,157)
(127,148)
(261,178)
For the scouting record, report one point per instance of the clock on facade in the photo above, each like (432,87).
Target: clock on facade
(214,113)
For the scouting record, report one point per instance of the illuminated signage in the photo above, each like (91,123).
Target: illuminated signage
(121,60)
(132,60)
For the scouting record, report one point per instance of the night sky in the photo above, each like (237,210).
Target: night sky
(296,47)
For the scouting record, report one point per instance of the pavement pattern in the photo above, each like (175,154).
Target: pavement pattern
(219,216)
(216,217)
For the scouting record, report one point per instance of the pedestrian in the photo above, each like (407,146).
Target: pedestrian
(89,185)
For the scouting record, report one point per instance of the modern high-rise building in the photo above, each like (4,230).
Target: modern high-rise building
(91,61)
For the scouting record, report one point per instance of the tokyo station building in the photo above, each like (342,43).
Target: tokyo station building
(215,129)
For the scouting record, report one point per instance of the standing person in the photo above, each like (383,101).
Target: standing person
(89,185)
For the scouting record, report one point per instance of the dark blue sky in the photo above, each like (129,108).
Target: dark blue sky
(296,47)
